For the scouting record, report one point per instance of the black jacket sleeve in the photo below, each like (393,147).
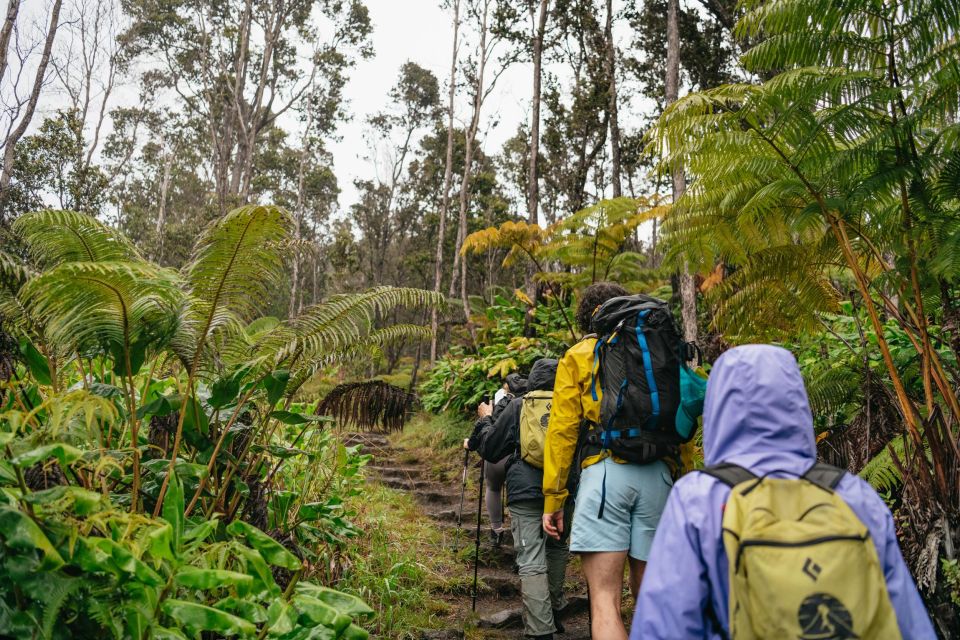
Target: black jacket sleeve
(474,440)
(499,439)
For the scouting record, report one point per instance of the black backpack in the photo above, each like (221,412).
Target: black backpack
(637,363)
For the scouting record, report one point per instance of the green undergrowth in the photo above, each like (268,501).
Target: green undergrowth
(398,564)
(402,564)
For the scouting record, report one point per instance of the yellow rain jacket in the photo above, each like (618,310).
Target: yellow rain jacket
(572,403)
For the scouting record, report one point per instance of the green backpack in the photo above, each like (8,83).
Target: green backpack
(534,418)
(802,564)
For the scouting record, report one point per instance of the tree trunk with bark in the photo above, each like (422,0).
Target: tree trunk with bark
(611,63)
(447,179)
(14,136)
(13,8)
(533,174)
(688,289)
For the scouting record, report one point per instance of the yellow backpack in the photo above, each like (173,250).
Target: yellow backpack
(802,564)
(534,418)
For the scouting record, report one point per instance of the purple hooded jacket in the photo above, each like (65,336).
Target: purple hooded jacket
(756,415)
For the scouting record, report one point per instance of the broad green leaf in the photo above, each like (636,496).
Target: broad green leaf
(246,609)
(353,632)
(212,578)
(160,406)
(161,543)
(163,633)
(257,567)
(271,550)
(108,391)
(198,617)
(276,384)
(125,561)
(281,618)
(289,417)
(172,510)
(224,391)
(196,419)
(36,361)
(278,451)
(20,532)
(62,452)
(200,532)
(85,501)
(317,612)
(343,602)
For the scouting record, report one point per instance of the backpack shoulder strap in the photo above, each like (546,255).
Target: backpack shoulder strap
(826,476)
(729,474)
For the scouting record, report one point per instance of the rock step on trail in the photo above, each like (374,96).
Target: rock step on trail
(498,602)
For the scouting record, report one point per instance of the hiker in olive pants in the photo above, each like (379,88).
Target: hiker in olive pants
(543,567)
(542,561)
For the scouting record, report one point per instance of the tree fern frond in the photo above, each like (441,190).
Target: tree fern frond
(112,306)
(343,319)
(54,237)
(237,263)
(881,472)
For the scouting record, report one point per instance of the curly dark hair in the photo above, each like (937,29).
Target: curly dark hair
(594,296)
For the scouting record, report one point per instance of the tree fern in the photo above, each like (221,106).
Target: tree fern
(237,262)
(342,320)
(53,237)
(116,307)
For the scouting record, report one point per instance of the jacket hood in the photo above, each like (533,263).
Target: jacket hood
(517,384)
(542,375)
(756,412)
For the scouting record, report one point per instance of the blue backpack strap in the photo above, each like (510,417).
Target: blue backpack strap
(595,370)
(648,368)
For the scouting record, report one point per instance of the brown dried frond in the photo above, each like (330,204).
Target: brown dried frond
(850,447)
(160,434)
(255,506)
(44,476)
(368,406)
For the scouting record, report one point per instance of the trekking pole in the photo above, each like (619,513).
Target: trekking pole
(476,549)
(463,489)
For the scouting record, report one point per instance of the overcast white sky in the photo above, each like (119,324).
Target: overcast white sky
(420,31)
(416,30)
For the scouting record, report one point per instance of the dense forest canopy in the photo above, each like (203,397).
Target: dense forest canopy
(186,265)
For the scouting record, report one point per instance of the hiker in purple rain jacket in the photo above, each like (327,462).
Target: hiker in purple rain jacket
(757,416)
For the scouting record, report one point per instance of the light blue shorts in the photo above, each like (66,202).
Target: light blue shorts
(635,497)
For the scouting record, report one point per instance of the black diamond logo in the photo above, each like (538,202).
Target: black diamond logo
(812,569)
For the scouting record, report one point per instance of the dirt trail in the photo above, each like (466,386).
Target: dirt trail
(437,490)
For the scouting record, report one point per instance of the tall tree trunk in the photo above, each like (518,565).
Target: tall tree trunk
(164,197)
(688,290)
(298,218)
(13,8)
(447,179)
(611,63)
(14,137)
(480,93)
(533,175)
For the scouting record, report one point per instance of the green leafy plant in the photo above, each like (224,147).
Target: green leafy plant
(158,480)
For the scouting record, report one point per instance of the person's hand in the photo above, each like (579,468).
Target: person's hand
(466,443)
(553,524)
(484,409)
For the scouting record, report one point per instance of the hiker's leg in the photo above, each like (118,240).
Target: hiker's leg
(604,540)
(530,543)
(558,554)
(494,475)
(636,576)
(604,574)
